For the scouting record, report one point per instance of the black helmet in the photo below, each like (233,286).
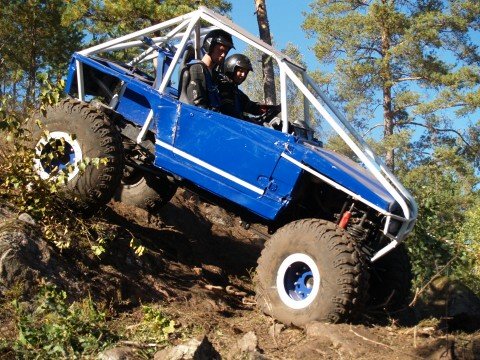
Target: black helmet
(217,37)
(235,60)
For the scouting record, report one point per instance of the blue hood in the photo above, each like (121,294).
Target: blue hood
(344,172)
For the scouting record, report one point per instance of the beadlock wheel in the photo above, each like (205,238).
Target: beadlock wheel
(298,281)
(311,270)
(68,155)
(69,132)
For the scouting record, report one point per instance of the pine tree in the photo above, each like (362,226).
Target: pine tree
(34,39)
(113,18)
(415,59)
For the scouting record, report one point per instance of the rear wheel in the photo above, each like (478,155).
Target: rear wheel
(145,191)
(71,132)
(311,270)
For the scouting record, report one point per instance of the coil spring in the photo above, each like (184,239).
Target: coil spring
(357,232)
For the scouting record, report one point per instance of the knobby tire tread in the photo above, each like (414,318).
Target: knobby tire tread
(347,260)
(109,175)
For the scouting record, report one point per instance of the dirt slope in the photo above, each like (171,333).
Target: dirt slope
(198,263)
(205,279)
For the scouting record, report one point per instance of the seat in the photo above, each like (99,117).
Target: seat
(183,79)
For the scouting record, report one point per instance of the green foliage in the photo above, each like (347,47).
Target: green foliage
(33,40)
(54,328)
(57,330)
(413,59)
(50,93)
(43,199)
(444,189)
(155,326)
(137,246)
(468,239)
(114,18)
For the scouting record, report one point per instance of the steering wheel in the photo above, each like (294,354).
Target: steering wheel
(158,47)
(275,123)
(149,42)
(268,118)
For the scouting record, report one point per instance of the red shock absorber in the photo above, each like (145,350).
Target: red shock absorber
(345,218)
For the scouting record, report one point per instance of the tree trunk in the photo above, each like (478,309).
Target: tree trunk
(388,125)
(31,81)
(267,63)
(14,88)
(31,71)
(388,120)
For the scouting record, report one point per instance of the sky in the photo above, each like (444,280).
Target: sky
(285,18)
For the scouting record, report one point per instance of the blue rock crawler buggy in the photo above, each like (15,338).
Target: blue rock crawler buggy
(338,225)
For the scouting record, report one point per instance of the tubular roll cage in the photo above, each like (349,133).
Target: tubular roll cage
(188,27)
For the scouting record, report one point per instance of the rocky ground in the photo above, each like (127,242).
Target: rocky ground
(198,264)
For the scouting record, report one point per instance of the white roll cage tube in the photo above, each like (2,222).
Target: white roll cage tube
(191,23)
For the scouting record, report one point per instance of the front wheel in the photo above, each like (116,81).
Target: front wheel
(391,280)
(311,270)
(70,133)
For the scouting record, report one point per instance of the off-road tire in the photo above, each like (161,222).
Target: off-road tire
(97,138)
(391,281)
(341,268)
(149,192)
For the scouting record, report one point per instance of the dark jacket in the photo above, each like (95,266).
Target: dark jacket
(199,87)
(234,102)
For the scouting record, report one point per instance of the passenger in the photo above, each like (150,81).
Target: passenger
(234,101)
(199,78)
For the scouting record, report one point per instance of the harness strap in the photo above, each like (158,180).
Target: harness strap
(212,89)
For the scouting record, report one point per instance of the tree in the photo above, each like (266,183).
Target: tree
(113,18)
(33,39)
(267,63)
(469,237)
(446,190)
(418,60)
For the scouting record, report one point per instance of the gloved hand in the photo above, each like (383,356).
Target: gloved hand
(272,108)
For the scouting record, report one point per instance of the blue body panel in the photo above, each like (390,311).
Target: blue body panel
(139,96)
(229,144)
(231,158)
(345,172)
(133,105)
(242,155)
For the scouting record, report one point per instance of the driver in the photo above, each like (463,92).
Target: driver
(199,78)
(234,102)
